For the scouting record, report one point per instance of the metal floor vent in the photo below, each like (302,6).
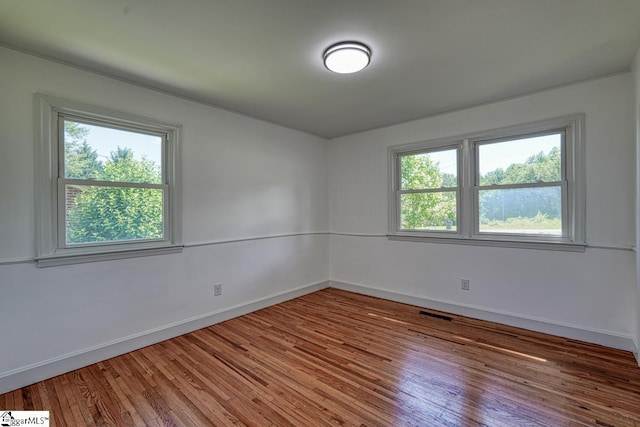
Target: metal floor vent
(437,316)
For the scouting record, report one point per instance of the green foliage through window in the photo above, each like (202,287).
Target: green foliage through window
(102,213)
(80,160)
(537,168)
(527,210)
(428,195)
(434,209)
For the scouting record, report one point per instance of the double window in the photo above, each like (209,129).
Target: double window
(107,184)
(516,186)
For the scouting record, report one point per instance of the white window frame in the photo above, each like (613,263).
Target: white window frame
(51,244)
(572,187)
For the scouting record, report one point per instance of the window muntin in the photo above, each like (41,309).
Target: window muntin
(520,185)
(429,191)
(541,163)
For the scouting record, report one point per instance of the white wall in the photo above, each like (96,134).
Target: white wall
(242,178)
(590,295)
(245,178)
(636,74)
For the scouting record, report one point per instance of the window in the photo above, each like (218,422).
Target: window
(107,184)
(429,191)
(518,186)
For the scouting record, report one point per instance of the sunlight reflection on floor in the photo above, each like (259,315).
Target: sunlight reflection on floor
(429,383)
(506,350)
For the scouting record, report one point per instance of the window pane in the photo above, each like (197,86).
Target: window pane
(436,169)
(536,210)
(428,211)
(519,161)
(106,214)
(106,154)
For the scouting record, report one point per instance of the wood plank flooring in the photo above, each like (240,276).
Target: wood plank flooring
(338,358)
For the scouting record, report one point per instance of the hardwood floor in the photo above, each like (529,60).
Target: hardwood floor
(338,358)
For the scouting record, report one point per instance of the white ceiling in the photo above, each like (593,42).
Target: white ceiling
(262,58)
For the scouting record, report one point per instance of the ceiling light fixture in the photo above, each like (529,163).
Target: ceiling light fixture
(347,57)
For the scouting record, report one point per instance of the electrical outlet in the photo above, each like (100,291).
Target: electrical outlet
(464,284)
(217,289)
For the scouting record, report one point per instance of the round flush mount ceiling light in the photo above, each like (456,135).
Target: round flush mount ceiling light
(347,57)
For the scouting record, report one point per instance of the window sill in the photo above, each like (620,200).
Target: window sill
(546,246)
(81,258)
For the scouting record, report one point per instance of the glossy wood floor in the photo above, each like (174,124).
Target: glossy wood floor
(337,358)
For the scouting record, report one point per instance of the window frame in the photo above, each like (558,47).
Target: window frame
(51,246)
(572,195)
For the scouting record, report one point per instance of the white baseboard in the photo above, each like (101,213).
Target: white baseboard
(31,374)
(604,338)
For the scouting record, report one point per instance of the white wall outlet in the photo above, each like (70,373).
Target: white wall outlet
(464,284)
(217,289)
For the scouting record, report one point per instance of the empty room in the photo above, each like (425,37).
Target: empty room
(319,212)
